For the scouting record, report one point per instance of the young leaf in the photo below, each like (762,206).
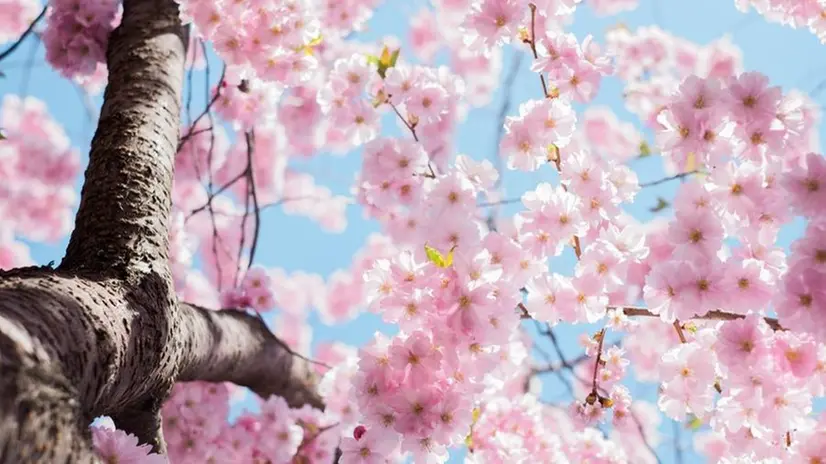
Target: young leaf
(645,149)
(694,423)
(690,162)
(437,258)
(385,61)
(661,205)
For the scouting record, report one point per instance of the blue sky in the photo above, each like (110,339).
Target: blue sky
(791,58)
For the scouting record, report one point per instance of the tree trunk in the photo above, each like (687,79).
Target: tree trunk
(103,334)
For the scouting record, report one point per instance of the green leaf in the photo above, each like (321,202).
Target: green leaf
(469,442)
(552,154)
(694,423)
(437,258)
(661,205)
(395,57)
(385,61)
(308,48)
(316,41)
(645,149)
(385,56)
(2,135)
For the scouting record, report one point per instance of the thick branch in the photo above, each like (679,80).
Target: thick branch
(233,346)
(72,349)
(121,225)
(144,421)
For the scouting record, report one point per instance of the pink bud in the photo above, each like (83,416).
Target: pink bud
(359,431)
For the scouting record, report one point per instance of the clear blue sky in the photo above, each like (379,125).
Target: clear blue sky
(791,58)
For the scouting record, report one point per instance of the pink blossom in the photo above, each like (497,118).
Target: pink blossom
(113,445)
(374,446)
(796,354)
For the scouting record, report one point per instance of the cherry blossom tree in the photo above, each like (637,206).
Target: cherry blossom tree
(157,316)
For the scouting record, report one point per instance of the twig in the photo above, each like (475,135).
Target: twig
(404,120)
(669,179)
(533,47)
(500,202)
(678,446)
(564,364)
(210,102)
(253,193)
(644,438)
(214,194)
(507,102)
(679,329)
(25,34)
(716,314)
(601,338)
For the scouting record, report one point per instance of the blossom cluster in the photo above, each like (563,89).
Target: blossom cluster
(77,33)
(794,13)
(457,323)
(269,38)
(274,39)
(113,445)
(766,382)
(38,167)
(754,142)
(652,63)
(196,429)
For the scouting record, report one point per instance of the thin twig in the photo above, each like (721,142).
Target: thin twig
(669,179)
(678,445)
(253,193)
(533,47)
(214,194)
(210,101)
(25,34)
(404,120)
(679,328)
(716,315)
(507,102)
(563,362)
(601,338)
(643,437)
(500,202)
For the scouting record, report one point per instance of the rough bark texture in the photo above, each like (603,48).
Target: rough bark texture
(237,347)
(103,334)
(125,202)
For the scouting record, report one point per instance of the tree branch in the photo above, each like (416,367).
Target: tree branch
(73,349)
(715,315)
(233,346)
(122,223)
(144,422)
(669,179)
(23,36)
